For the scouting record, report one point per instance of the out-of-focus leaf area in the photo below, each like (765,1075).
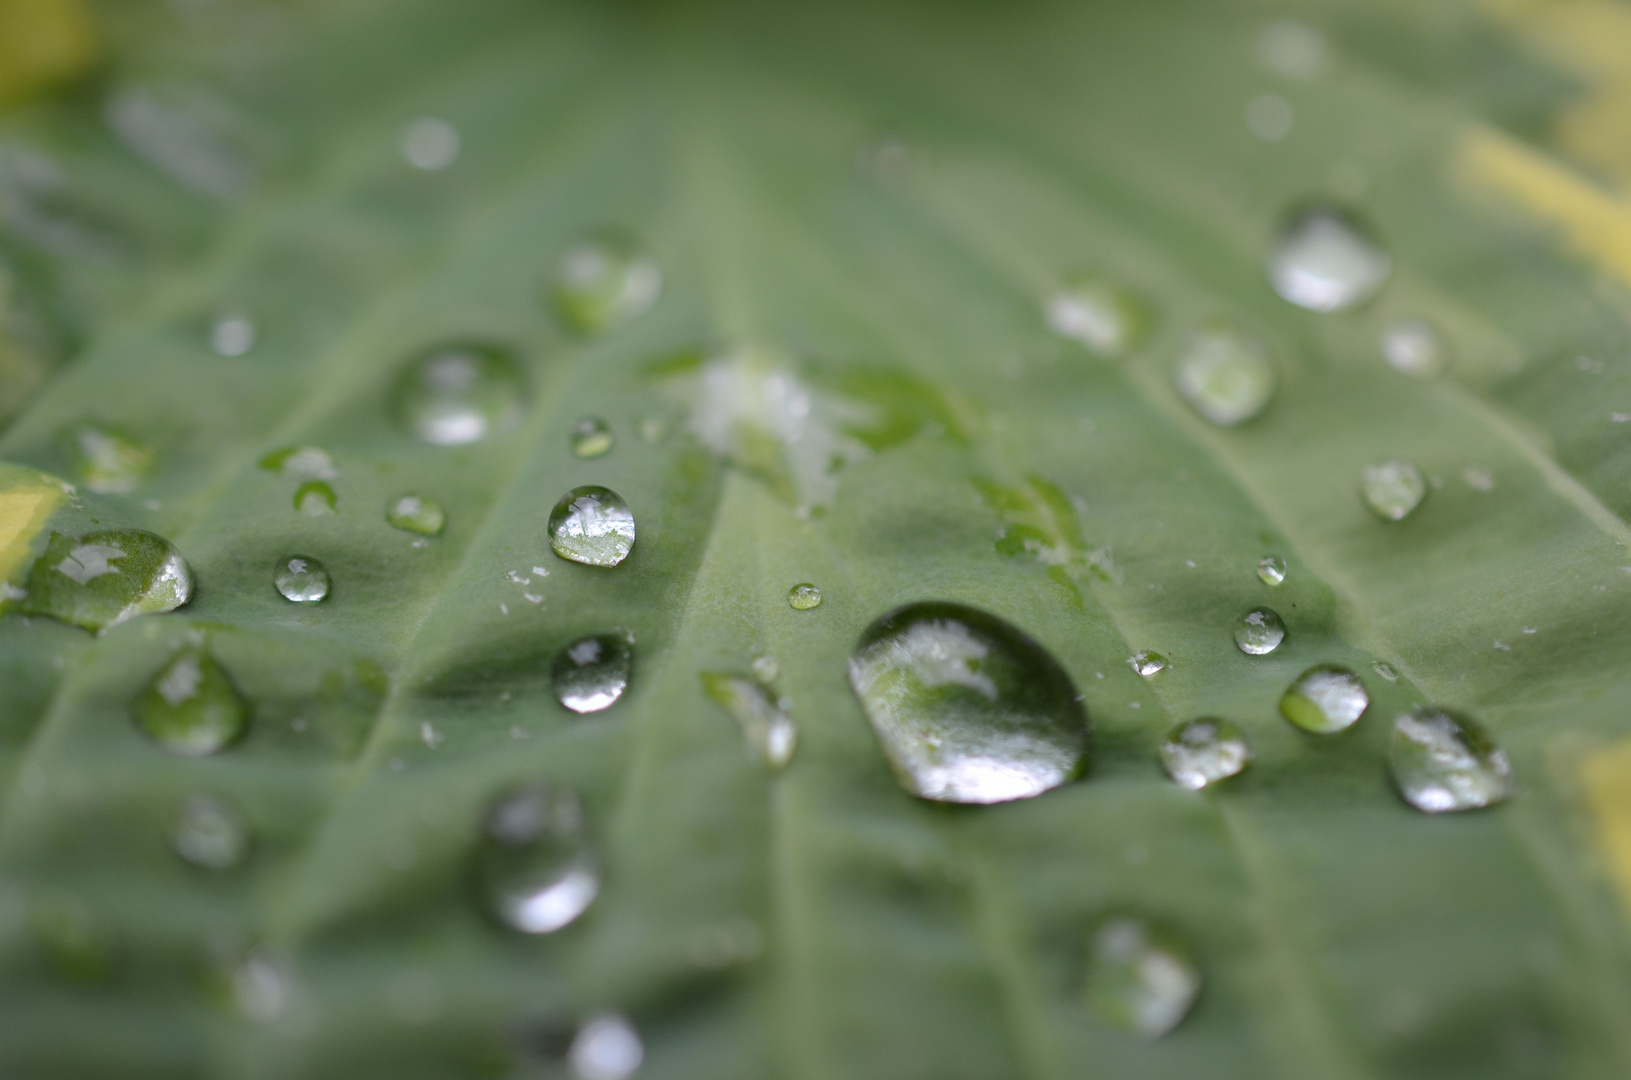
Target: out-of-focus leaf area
(459,457)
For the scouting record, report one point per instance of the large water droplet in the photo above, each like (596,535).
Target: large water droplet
(605,281)
(103,578)
(1147,663)
(1140,978)
(301,579)
(1443,761)
(191,707)
(1100,314)
(606,1047)
(1325,260)
(416,514)
(459,393)
(771,734)
(592,525)
(536,868)
(1392,489)
(803,597)
(1324,699)
(1413,347)
(1225,375)
(966,707)
(1271,569)
(210,832)
(107,461)
(591,673)
(591,437)
(1200,752)
(1259,632)
(315,498)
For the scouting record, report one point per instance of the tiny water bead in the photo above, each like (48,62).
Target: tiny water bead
(108,461)
(803,597)
(232,334)
(1325,699)
(604,281)
(536,867)
(1146,663)
(591,437)
(1326,260)
(103,578)
(591,673)
(1392,489)
(429,144)
(966,707)
(416,514)
(455,394)
(1414,347)
(769,731)
(1442,761)
(1259,632)
(1201,752)
(1385,670)
(1140,977)
(315,498)
(592,525)
(1271,570)
(301,579)
(606,1047)
(301,463)
(191,707)
(1225,375)
(1098,313)
(211,833)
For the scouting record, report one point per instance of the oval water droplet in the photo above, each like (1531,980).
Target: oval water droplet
(459,393)
(301,579)
(1147,663)
(591,437)
(1442,761)
(107,461)
(315,498)
(1414,347)
(1325,699)
(966,707)
(1100,314)
(1326,260)
(210,832)
(604,281)
(771,734)
(536,867)
(591,673)
(803,597)
(1201,752)
(606,1047)
(1259,632)
(191,707)
(103,578)
(1140,978)
(592,525)
(1385,670)
(416,514)
(1392,489)
(1271,569)
(1225,375)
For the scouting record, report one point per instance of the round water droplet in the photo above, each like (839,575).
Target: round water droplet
(103,578)
(1225,375)
(429,144)
(1413,347)
(191,707)
(1100,314)
(1325,260)
(211,833)
(1146,663)
(232,334)
(606,1047)
(967,708)
(1272,570)
(591,673)
(605,281)
(1325,699)
(1442,761)
(591,437)
(302,579)
(315,498)
(1200,752)
(107,461)
(803,597)
(1392,489)
(592,525)
(459,393)
(1140,978)
(770,733)
(1259,632)
(536,867)
(416,514)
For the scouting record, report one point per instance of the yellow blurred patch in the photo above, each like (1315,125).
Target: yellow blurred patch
(1606,777)
(42,43)
(24,510)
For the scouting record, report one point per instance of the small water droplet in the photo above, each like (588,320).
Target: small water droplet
(210,832)
(191,707)
(262,986)
(771,734)
(536,867)
(803,597)
(1140,978)
(1269,117)
(1385,670)
(591,673)
(1146,663)
(1326,260)
(605,281)
(302,579)
(107,461)
(429,144)
(966,707)
(459,393)
(765,669)
(1478,478)
(591,437)
(1392,489)
(606,1047)
(592,525)
(1414,347)
(1225,375)
(1442,761)
(1200,752)
(315,498)
(1259,632)
(232,334)
(1271,569)
(1098,313)
(430,736)
(1325,699)
(103,578)
(301,463)
(416,514)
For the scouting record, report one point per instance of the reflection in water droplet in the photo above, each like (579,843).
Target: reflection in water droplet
(1140,978)
(591,437)
(1105,317)
(771,734)
(302,579)
(592,525)
(1146,663)
(605,281)
(1385,670)
(315,498)
(606,1047)
(429,144)
(191,707)
(1225,375)
(301,463)
(967,708)
(1413,347)
(536,868)
(803,597)
(1325,260)
(1259,632)
(591,673)
(1272,570)
(1199,752)
(1392,489)
(103,578)
(107,461)
(416,514)
(1442,761)
(1324,699)
(459,393)
(211,833)
(232,334)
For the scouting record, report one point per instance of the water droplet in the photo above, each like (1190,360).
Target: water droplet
(1140,978)
(262,986)
(592,525)
(803,597)
(591,437)
(1385,670)
(301,463)
(211,833)
(416,514)
(108,461)
(1271,569)
(1199,752)
(1325,260)
(301,579)
(770,733)
(1413,347)
(1146,663)
(606,1047)
(429,144)
(591,673)
(1259,632)
(537,869)
(1392,489)
(315,498)
(459,393)
(765,669)
(1100,314)
(966,707)
(1325,699)
(191,707)
(103,578)
(232,334)
(1225,375)
(1269,117)
(1442,761)
(605,281)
